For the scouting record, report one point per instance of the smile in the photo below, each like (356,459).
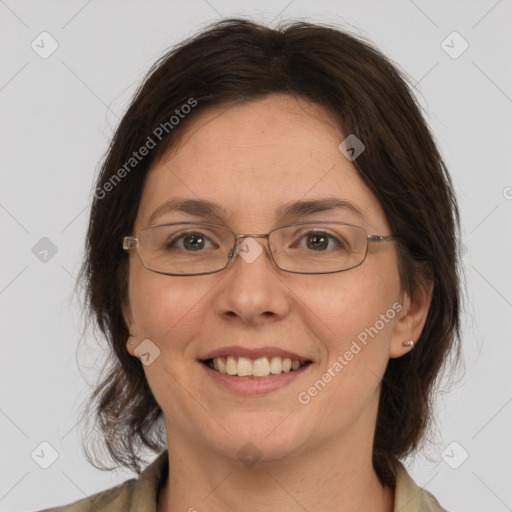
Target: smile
(260,367)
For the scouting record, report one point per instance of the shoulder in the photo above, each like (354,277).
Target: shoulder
(114,499)
(411,498)
(139,494)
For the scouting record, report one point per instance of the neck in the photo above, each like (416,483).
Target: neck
(319,479)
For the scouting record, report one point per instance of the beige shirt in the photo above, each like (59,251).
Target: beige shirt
(140,495)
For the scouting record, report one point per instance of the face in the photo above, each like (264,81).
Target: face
(252,159)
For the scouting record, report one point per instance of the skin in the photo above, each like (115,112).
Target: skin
(252,158)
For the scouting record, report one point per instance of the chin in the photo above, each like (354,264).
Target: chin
(264,437)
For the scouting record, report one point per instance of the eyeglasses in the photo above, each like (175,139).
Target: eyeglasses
(190,248)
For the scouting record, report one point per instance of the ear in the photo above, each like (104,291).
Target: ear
(128,318)
(411,319)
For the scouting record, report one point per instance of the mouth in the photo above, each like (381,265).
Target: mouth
(261,367)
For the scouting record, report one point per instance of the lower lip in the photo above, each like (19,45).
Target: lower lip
(255,385)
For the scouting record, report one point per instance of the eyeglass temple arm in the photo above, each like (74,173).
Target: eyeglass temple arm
(382,238)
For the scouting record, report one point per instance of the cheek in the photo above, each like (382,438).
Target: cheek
(345,304)
(166,308)
(345,315)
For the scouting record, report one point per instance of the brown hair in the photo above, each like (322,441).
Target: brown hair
(238,60)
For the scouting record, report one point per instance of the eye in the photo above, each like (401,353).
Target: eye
(190,241)
(320,241)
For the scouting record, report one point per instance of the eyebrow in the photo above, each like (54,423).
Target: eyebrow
(292,209)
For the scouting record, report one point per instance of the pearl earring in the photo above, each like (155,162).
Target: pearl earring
(408,343)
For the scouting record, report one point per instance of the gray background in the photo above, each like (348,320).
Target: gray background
(58,114)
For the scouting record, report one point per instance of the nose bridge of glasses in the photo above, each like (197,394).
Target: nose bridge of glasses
(249,235)
(243,236)
(246,252)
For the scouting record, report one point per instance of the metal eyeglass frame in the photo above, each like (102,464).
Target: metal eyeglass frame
(130,242)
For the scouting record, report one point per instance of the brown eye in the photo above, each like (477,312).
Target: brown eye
(190,242)
(317,241)
(320,241)
(194,242)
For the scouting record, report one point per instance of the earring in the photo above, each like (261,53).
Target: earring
(408,343)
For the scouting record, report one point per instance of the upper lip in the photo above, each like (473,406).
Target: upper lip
(253,353)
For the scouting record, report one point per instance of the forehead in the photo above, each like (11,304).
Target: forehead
(253,157)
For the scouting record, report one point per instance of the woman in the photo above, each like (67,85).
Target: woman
(271,255)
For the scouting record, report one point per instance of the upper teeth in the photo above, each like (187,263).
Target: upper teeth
(261,367)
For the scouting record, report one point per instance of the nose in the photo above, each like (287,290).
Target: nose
(252,291)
